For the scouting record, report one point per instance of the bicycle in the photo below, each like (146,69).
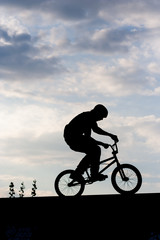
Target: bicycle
(125,178)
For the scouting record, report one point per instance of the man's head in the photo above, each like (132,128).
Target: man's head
(100,112)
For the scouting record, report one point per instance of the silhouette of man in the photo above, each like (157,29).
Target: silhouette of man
(77,134)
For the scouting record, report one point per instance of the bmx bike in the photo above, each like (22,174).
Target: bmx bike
(125,178)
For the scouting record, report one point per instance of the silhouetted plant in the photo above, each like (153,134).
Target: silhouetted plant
(21,191)
(11,190)
(33,192)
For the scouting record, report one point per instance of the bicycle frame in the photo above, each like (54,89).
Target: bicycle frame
(114,157)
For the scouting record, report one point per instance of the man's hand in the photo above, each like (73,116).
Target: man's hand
(114,137)
(105,145)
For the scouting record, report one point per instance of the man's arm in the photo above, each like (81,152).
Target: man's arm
(100,131)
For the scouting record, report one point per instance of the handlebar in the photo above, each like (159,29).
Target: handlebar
(114,147)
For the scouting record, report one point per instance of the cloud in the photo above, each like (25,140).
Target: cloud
(149,130)
(142,132)
(71,10)
(122,78)
(141,13)
(46,149)
(44,53)
(104,41)
(19,119)
(20,56)
(122,12)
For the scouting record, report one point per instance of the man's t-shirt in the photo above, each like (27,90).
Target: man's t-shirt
(80,125)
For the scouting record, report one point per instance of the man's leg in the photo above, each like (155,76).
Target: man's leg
(95,159)
(92,158)
(93,151)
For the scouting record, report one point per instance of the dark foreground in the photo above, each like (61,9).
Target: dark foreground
(105,216)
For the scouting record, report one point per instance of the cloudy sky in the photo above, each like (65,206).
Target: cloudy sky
(59,58)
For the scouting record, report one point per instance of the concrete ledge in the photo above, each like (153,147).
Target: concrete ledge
(106,216)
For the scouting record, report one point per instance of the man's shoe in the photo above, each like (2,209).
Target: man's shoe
(76,176)
(102,177)
(99,177)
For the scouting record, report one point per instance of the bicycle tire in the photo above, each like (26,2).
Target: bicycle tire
(62,188)
(133,182)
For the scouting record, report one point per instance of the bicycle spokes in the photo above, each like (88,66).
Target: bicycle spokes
(126,179)
(65,186)
(122,174)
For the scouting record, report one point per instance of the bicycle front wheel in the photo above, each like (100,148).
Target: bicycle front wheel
(126,179)
(65,186)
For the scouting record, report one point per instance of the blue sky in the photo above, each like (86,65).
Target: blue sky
(59,58)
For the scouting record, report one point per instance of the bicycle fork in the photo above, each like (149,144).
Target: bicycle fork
(121,171)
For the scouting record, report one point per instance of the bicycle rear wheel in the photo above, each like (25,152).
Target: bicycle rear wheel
(65,186)
(126,179)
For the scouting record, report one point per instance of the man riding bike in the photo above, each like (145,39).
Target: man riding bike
(77,134)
